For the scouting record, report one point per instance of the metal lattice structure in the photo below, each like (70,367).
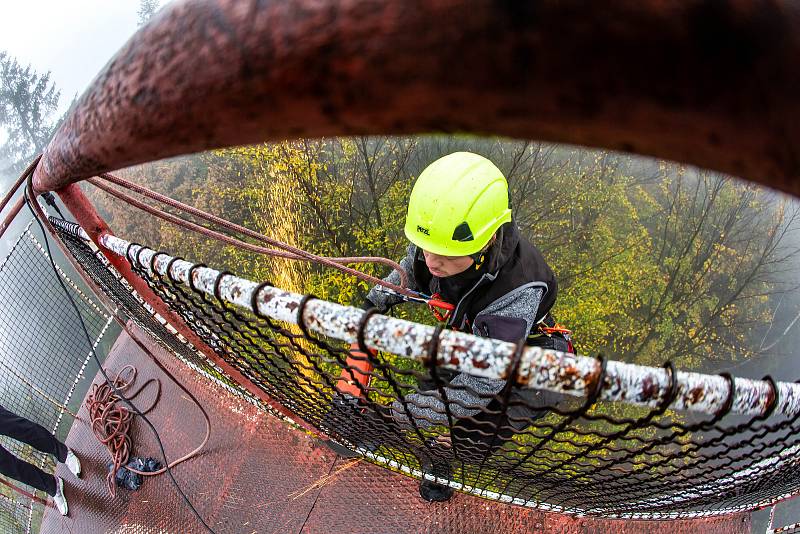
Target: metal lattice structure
(680,445)
(129,305)
(42,364)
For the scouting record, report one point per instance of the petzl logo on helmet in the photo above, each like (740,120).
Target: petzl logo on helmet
(423,230)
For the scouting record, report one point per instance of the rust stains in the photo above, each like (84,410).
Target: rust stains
(478,363)
(650,389)
(304,68)
(695,395)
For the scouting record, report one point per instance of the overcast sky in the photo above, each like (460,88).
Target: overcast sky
(71,38)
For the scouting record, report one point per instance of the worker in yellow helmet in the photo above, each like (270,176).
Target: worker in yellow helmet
(466,250)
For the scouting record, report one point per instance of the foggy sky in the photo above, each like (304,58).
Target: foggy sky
(73,39)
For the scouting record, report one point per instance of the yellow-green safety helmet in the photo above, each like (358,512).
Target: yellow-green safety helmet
(457,204)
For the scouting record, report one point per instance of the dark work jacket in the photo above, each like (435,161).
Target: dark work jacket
(513,266)
(511,292)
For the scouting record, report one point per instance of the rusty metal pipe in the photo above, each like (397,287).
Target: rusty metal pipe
(708,83)
(17,207)
(489,358)
(24,176)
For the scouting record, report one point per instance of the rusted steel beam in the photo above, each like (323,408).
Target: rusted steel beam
(543,369)
(702,82)
(16,185)
(96,229)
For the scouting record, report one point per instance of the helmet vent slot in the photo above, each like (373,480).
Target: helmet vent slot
(463,233)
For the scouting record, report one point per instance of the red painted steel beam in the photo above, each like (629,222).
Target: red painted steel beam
(699,81)
(11,215)
(85,214)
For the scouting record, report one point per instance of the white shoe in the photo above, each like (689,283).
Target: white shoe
(59,499)
(73,464)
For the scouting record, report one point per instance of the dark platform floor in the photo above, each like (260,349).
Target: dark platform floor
(257,475)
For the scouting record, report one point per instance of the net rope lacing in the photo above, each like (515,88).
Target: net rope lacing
(550,471)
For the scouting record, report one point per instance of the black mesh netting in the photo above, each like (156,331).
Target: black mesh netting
(133,307)
(43,361)
(535,447)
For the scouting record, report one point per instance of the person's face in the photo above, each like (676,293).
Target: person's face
(444,266)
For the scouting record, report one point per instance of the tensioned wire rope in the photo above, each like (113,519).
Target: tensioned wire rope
(286,251)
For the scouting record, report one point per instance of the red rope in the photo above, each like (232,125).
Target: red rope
(111,422)
(103,394)
(288,251)
(21,491)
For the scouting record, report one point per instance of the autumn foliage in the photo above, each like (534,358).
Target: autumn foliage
(654,261)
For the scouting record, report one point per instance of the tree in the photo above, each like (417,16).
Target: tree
(654,262)
(724,253)
(147,8)
(28,101)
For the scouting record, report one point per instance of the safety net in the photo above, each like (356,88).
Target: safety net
(43,365)
(507,422)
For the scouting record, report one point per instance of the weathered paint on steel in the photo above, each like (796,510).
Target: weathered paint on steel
(789,399)
(753,395)
(72,228)
(211,73)
(710,392)
(544,369)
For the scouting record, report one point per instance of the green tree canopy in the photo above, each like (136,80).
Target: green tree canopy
(654,262)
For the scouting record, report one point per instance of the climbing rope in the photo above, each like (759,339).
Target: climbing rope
(43,223)
(111,422)
(286,251)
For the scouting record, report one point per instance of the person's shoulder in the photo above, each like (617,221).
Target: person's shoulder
(526,248)
(530,258)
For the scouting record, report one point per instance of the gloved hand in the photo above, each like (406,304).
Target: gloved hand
(356,372)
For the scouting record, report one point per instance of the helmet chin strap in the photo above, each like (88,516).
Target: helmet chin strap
(480,256)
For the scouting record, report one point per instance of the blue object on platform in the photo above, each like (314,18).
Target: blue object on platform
(130,480)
